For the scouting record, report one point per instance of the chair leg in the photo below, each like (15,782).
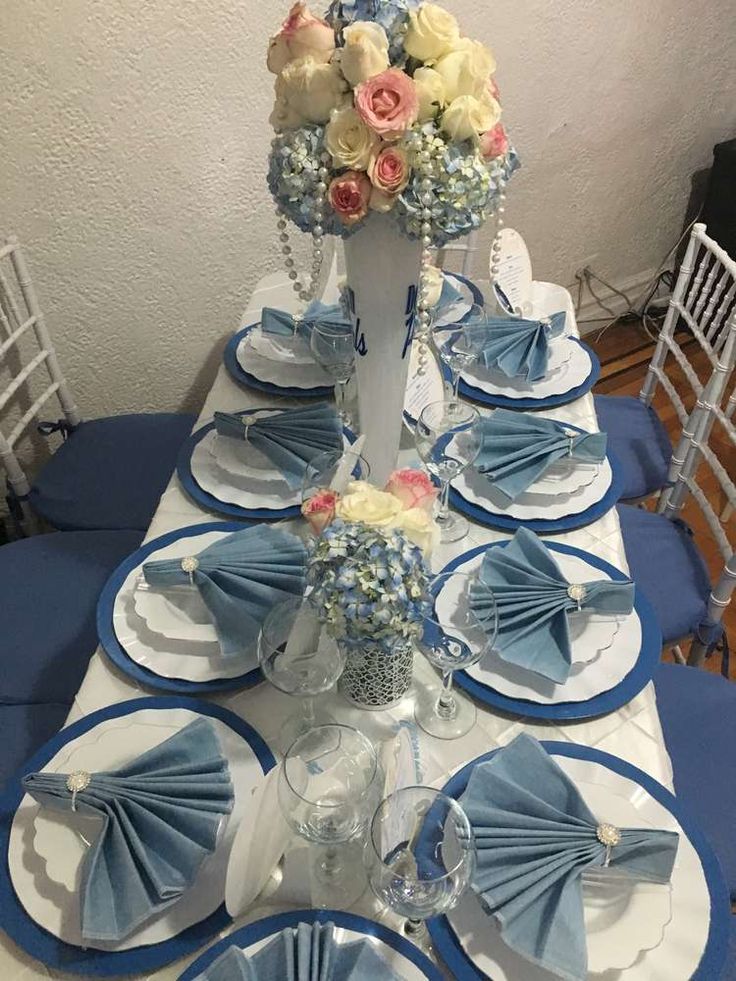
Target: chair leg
(679,655)
(696,657)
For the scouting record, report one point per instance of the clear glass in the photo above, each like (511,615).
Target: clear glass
(448,440)
(299,658)
(454,638)
(420,855)
(329,786)
(455,344)
(329,469)
(333,348)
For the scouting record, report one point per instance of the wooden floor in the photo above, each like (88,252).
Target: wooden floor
(625,351)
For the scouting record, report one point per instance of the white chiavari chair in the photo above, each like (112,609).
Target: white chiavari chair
(464,249)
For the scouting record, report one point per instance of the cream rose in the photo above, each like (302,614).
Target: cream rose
(364,503)
(309,91)
(430,86)
(301,35)
(433,31)
(467,117)
(365,53)
(350,142)
(466,69)
(419,527)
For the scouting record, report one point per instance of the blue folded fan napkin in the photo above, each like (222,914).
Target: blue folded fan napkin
(290,439)
(533,598)
(240,578)
(307,952)
(515,346)
(284,324)
(449,297)
(161,815)
(516,449)
(534,838)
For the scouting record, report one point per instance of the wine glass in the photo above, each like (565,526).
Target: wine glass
(420,855)
(299,658)
(454,638)
(333,348)
(333,470)
(329,786)
(455,344)
(448,440)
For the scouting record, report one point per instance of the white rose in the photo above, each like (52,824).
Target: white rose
(302,35)
(419,528)
(433,31)
(380,201)
(309,91)
(350,142)
(364,503)
(432,283)
(430,86)
(365,53)
(466,69)
(467,117)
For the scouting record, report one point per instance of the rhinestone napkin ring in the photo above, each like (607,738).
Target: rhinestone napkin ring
(190,564)
(576,592)
(77,782)
(609,836)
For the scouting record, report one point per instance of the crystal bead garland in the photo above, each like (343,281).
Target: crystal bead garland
(306,291)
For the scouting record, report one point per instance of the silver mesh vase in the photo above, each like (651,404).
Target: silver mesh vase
(377,676)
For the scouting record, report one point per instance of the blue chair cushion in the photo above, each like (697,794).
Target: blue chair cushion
(698,714)
(666,563)
(23,730)
(49,586)
(639,441)
(110,473)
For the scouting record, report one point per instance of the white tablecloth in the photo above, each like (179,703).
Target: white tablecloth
(633,732)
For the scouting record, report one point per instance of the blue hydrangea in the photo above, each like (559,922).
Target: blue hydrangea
(392,15)
(296,156)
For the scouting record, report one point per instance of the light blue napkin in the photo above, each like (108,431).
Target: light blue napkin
(534,837)
(239,579)
(517,449)
(449,297)
(533,599)
(515,346)
(290,439)
(160,819)
(285,324)
(307,952)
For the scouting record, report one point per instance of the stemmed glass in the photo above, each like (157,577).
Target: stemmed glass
(448,441)
(454,638)
(420,855)
(299,658)
(456,345)
(329,786)
(333,348)
(333,468)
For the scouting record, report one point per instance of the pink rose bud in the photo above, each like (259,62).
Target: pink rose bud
(319,510)
(494,143)
(389,170)
(388,103)
(413,488)
(350,195)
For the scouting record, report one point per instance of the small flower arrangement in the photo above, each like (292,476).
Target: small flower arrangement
(405,505)
(383,106)
(368,583)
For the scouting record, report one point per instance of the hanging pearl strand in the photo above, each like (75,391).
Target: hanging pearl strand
(306,290)
(423,314)
(496,246)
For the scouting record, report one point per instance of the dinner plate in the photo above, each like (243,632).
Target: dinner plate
(406,960)
(150,658)
(568,365)
(605,684)
(42,917)
(693,941)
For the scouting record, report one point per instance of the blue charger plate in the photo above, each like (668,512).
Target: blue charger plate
(601,704)
(117,653)
(273,925)
(714,955)
(55,953)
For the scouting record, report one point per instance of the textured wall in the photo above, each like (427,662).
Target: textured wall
(134,135)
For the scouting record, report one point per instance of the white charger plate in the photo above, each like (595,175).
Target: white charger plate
(568,375)
(615,644)
(628,942)
(55,908)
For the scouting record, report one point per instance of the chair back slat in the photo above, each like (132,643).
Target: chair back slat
(31,414)
(465,248)
(22,377)
(16,335)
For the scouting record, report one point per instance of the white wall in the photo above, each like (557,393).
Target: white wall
(134,136)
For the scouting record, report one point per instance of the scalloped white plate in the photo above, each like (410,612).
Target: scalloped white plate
(280,371)
(568,375)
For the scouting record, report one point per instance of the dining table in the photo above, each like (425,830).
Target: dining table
(632,732)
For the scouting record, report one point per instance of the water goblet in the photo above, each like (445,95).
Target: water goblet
(299,658)
(456,345)
(420,856)
(333,347)
(332,471)
(454,638)
(448,441)
(329,786)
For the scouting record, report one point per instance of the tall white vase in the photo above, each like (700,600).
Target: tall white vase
(383,279)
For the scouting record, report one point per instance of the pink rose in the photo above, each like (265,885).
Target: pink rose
(494,143)
(319,510)
(301,35)
(413,488)
(389,170)
(388,103)
(350,195)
